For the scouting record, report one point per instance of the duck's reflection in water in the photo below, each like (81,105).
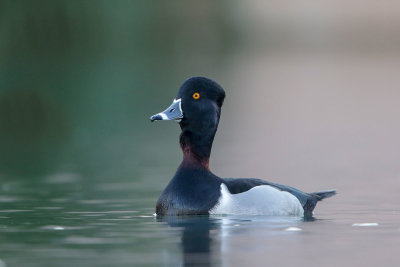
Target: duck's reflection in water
(206,241)
(199,248)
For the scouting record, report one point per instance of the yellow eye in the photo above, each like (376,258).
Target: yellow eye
(196,95)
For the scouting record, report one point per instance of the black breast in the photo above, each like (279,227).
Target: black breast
(191,191)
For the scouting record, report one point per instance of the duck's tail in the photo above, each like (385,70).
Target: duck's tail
(324,194)
(314,198)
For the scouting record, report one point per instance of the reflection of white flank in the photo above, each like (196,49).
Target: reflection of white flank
(260,200)
(224,235)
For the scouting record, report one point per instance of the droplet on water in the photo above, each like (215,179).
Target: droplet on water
(293,229)
(52,227)
(365,224)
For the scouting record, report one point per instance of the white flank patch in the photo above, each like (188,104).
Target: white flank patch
(260,200)
(365,224)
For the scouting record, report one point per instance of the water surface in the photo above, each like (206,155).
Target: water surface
(58,222)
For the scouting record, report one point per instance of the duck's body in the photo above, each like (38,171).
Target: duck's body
(195,189)
(200,192)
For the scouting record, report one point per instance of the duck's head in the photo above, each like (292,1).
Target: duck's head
(197,108)
(198,99)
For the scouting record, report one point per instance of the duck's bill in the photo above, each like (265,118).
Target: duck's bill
(174,112)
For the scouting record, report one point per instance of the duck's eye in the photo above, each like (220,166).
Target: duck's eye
(196,95)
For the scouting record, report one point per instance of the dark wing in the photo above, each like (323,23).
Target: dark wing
(308,201)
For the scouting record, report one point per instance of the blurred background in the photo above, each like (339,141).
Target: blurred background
(312,92)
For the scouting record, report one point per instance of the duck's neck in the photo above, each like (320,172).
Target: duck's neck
(196,148)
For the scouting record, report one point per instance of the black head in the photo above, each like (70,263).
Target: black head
(198,92)
(197,107)
(198,99)
(202,100)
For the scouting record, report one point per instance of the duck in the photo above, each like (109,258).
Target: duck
(195,190)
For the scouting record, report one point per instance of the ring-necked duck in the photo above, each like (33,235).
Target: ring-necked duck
(195,189)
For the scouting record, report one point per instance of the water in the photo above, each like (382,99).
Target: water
(61,222)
